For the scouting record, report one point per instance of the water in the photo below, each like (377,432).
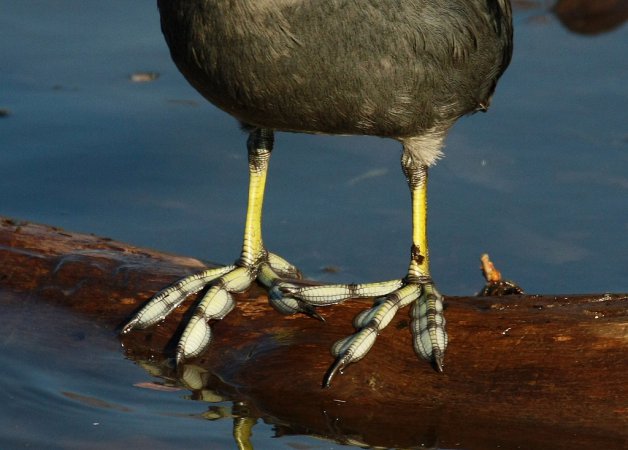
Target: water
(76,392)
(539,182)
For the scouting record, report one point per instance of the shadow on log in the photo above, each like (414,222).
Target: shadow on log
(522,371)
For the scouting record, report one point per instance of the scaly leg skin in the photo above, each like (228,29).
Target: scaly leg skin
(417,288)
(255,262)
(289,295)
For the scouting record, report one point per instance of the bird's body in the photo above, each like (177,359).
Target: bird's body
(403,69)
(398,69)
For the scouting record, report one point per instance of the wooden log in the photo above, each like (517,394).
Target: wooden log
(524,371)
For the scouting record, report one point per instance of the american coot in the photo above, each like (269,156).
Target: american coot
(403,69)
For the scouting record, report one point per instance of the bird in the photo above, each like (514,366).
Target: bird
(400,69)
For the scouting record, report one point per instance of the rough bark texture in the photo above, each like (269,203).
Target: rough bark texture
(521,371)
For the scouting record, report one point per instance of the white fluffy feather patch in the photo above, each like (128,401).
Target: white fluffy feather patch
(425,149)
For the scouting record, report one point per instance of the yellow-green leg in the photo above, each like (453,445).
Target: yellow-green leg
(428,321)
(218,301)
(259,145)
(417,288)
(221,282)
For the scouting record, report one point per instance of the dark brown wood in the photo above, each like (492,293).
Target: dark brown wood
(521,371)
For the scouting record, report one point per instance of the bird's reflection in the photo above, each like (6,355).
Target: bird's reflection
(206,387)
(590,18)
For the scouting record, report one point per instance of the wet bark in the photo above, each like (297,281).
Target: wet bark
(522,371)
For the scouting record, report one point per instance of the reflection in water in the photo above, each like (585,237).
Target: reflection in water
(591,17)
(581,16)
(200,382)
(242,432)
(205,387)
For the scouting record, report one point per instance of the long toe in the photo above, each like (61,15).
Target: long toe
(283,268)
(331,294)
(349,350)
(272,279)
(368,324)
(214,305)
(166,300)
(428,327)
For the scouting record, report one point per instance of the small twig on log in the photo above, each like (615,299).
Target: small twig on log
(495,286)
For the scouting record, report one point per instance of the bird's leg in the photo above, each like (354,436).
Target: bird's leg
(428,321)
(417,288)
(260,145)
(289,294)
(217,302)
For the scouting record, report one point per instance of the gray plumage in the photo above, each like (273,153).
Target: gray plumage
(404,69)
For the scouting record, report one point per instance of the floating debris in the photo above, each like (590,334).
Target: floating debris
(331,269)
(144,77)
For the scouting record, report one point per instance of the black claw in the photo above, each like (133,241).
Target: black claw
(338,364)
(179,357)
(297,274)
(310,311)
(439,361)
(129,326)
(287,291)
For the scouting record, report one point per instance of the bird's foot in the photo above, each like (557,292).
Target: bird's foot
(427,324)
(290,295)
(218,301)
